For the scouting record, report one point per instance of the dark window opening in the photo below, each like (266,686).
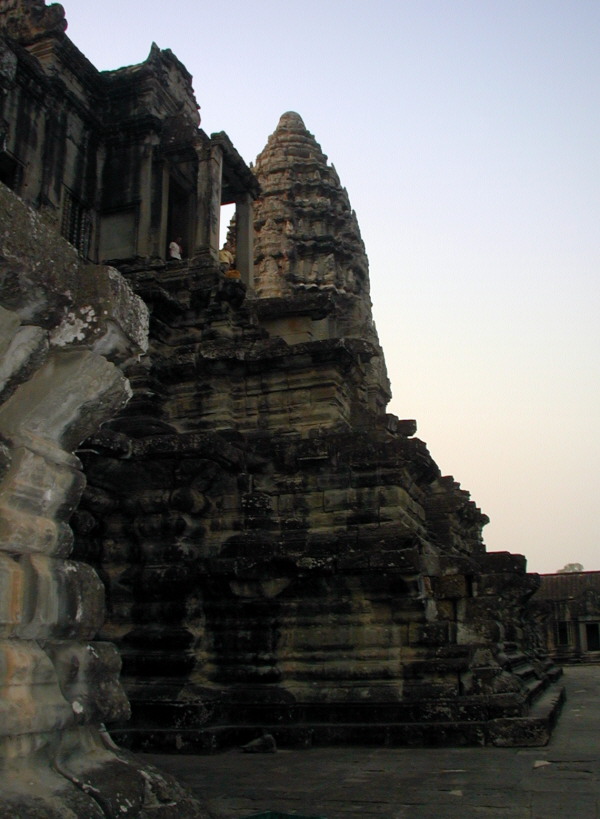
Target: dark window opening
(179,217)
(592,636)
(562,634)
(9,171)
(76,224)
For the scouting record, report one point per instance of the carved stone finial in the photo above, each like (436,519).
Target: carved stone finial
(28,19)
(291,120)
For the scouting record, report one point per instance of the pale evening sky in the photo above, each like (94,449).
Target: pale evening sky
(467,134)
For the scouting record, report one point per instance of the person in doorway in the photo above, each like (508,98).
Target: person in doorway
(227,264)
(176,249)
(225,259)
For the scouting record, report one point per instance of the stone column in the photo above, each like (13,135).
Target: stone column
(144,238)
(210,173)
(163,239)
(245,238)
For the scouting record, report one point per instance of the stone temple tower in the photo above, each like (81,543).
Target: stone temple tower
(308,243)
(279,551)
(307,236)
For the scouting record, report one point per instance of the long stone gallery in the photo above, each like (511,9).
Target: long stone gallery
(199,481)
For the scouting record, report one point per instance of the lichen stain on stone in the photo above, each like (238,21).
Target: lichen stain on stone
(74,327)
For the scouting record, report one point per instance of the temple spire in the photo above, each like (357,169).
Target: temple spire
(307,237)
(307,234)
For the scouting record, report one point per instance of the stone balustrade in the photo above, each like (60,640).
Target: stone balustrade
(65,327)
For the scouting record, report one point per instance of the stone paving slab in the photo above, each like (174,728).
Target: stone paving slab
(561,780)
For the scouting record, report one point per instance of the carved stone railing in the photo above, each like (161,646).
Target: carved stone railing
(65,327)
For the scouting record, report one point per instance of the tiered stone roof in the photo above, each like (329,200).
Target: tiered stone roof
(307,238)
(307,235)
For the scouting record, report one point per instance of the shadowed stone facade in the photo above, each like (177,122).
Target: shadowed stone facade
(277,551)
(567,606)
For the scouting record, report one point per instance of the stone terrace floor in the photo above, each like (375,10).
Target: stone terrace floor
(560,780)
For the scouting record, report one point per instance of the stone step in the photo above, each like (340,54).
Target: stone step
(526,731)
(515,659)
(521,666)
(551,671)
(525,671)
(153,714)
(536,728)
(535,689)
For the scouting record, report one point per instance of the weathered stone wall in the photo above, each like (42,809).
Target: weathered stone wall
(279,554)
(64,328)
(115,157)
(50,150)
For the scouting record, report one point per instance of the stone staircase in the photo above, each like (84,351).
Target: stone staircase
(531,730)
(503,720)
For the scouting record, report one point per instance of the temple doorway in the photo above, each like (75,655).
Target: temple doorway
(592,634)
(179,217)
